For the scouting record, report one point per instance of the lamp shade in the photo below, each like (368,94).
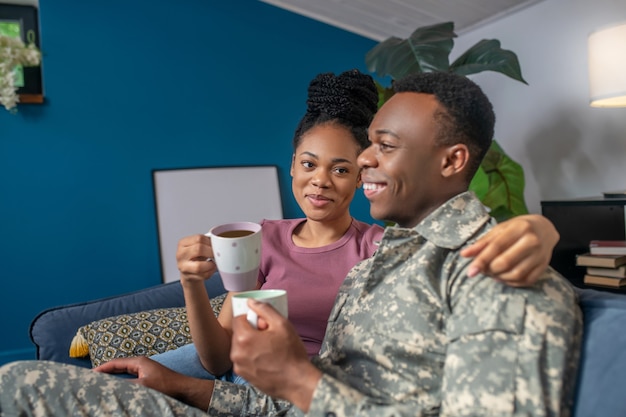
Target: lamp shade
(607,67)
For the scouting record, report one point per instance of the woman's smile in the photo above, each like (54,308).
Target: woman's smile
(318,200)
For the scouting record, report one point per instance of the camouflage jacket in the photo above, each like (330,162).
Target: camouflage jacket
(412,335)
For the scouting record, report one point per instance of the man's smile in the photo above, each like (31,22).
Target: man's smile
(373,188)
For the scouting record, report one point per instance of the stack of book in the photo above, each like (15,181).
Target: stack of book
(605,262)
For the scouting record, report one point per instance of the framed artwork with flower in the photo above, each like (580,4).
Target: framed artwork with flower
(20,23)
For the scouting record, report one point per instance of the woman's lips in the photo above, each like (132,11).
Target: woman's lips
(318,200)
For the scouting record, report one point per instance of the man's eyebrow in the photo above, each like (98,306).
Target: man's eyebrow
(386,132)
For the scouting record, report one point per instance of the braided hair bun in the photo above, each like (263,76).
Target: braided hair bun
(349,99)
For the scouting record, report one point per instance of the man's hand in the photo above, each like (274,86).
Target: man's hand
(515,252)
(151,374)
(273,358)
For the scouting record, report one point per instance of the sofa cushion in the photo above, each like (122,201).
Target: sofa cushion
(140,334)
(145,333)
(602,371)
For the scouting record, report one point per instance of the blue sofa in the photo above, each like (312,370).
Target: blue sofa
(601,373)
(52,330)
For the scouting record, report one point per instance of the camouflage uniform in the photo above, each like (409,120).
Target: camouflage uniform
(410,335)
(48,389)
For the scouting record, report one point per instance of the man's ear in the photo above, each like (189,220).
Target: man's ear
(455,160)
(293,161)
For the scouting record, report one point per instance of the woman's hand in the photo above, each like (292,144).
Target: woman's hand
(515,252)
(151,374)
(194,258)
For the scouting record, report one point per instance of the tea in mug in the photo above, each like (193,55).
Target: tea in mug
(237,250)
(236,233)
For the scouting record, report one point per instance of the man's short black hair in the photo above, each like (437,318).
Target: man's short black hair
(467,115)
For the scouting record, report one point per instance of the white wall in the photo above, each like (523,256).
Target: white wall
(567,148)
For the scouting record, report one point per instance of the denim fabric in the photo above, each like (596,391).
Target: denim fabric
(185,360)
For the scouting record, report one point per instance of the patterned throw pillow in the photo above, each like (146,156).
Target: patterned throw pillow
(139,334)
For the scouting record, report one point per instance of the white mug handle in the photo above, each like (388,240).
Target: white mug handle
(252,318)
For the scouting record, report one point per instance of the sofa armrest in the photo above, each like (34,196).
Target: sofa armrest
(52,330)
(602,370)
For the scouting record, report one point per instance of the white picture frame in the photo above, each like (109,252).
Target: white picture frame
(192,200)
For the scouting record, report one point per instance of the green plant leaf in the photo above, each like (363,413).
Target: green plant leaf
(384,93)
(426,50)
(506,183)
(501,214)
(487,55)
(480,183)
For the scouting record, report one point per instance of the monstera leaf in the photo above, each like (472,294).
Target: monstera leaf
(427,49)
(487,55)
(499,182)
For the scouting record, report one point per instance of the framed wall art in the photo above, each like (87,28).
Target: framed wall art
(22,22)
(192,200)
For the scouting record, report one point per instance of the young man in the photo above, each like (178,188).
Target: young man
(410,334)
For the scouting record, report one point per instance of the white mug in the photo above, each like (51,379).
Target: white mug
(276,298)
(237,254)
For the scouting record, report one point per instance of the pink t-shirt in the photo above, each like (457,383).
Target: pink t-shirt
(311,276)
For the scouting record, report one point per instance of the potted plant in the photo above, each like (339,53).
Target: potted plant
(13,52)
(499,182)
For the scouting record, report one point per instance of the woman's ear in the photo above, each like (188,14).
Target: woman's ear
(293,161)
(455,160)
(359,181)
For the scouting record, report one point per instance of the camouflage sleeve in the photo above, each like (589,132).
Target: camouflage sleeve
(244,400)
(333,398)
(512,351)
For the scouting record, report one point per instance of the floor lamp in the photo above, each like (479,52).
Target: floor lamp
(607,72)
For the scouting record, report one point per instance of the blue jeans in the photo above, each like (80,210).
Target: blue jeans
(184,360)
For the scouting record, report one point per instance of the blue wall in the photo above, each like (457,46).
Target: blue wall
(132,86)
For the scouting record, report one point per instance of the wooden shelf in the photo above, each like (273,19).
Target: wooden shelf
(31,98)
(578,221)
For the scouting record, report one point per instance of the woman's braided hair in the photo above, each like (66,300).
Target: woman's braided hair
(349,99)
